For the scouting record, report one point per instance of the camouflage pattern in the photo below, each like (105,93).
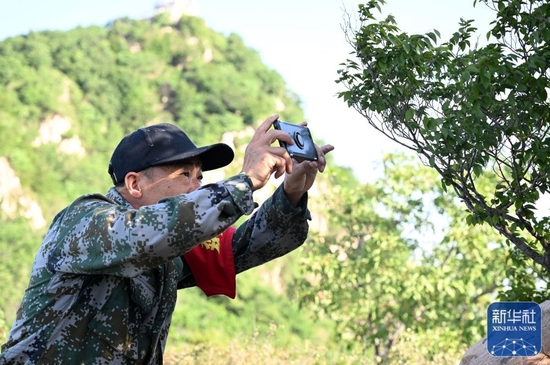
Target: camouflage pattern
(104,282)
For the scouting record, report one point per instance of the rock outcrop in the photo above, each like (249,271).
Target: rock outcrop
(478,354)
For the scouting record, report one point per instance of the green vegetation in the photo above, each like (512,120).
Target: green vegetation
(93,85)
(473,112)
(403,269)
(370,288)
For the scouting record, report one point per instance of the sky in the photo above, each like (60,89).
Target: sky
(303,40)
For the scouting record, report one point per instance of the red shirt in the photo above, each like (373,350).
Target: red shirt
(212,265)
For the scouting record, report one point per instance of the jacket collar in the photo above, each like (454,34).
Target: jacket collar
(118,199)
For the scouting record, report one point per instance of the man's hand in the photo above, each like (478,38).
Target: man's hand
(303,174)
(261,159)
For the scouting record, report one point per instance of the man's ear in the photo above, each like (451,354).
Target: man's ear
(131,182)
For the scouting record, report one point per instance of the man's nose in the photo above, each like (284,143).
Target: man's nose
(195,184)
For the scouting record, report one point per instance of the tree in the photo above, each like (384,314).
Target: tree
(468,111)
(395,294)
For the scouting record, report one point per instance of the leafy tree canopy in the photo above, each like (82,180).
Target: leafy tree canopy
(470,112)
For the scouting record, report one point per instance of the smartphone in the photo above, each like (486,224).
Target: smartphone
(303,147)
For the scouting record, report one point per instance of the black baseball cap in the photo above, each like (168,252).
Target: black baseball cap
(162,144)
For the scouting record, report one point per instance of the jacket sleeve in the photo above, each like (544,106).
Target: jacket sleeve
(274,230)
(96,236)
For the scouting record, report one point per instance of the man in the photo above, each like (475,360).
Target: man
(104,283)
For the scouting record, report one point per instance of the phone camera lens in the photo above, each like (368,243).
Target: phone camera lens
(298,140)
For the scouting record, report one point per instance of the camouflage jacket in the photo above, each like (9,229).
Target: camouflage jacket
(104,282)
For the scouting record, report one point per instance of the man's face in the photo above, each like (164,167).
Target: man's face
(164,181)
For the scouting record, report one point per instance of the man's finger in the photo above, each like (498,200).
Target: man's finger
(264,127)
(326,148)
(276,135)
(284,162)
(322,151)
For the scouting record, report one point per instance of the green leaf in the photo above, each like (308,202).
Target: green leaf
(478,170)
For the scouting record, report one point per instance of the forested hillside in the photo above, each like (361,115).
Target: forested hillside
(367,287)
(67,98)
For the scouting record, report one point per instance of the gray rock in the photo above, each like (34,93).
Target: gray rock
(478,354)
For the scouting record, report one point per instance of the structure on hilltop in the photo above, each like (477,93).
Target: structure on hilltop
(178,8)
